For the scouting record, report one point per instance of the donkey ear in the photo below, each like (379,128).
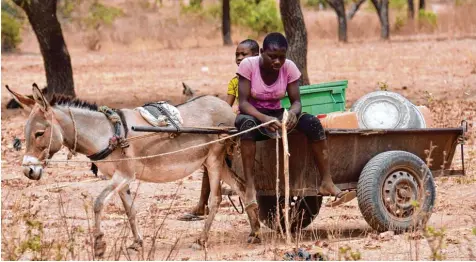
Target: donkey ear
(25,101)
(40,98)
(187,90)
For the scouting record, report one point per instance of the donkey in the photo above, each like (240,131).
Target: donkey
(79,126)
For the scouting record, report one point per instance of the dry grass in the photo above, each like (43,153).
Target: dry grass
(160,50)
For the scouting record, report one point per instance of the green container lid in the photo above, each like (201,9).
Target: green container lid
(321,98)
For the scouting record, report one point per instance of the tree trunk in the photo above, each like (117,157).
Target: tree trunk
(421,6)
(226,27)
(339,8)
(295,30)
(411,9)
(382,11)
(57,62)
(354,8)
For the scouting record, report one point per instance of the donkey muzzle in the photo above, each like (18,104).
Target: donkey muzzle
(32,167)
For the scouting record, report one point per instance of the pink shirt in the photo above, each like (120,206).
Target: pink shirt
(263,95)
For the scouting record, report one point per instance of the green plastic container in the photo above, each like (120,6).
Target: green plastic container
(321,98)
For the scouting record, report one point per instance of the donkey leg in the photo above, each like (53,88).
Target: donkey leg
(201,208)
(214,164)
(127,201)
(99,243)
(215,200)
(239,186)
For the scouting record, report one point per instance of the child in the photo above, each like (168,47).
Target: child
(246,48)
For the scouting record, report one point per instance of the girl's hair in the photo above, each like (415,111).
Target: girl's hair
(254,46)
(275,39)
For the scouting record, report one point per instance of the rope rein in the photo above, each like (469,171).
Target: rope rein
(47,161)
(51,140)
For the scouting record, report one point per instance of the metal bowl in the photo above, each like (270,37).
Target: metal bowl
(386,110)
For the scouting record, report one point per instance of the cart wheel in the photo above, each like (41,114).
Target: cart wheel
(301,213)
(396,192)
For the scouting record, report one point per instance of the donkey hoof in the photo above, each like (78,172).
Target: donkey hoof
(136,245)
(99,248)
(198,245)
(254,239)
(99,245)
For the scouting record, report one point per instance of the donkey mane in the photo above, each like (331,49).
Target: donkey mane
(62,100)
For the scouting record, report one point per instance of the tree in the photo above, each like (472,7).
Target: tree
(226,30)
(339,8)
(354,8)
(295,30)
(57,62)
(382,11)
(421,5)
(411,9)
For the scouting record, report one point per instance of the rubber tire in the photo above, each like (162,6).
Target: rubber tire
(307,207)
(369,191)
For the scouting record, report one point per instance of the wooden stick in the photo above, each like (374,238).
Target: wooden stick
(192,130)
(278,209)
(214,127)
(286,175)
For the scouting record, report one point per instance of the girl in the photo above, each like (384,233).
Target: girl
(263,82)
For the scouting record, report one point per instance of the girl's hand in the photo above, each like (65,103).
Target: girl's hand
(274,126)
(292,120)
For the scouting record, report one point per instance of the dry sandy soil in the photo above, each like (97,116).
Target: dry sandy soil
(440,74)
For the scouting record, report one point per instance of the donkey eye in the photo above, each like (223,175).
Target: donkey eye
(39,133)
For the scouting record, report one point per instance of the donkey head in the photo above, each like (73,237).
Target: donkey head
(42,132)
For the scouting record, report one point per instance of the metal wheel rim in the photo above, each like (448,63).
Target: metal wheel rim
(401,193)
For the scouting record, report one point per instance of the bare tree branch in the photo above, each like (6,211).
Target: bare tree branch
(354,8)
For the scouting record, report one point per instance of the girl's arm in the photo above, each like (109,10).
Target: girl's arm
(295,99)
(244,90)
(230,99)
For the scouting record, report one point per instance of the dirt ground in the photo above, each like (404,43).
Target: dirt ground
(437,73)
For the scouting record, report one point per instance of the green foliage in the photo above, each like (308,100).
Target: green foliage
(213,11)
(398,4)
(400,22)
(435,239)
(474,231)
(428,18)
(261,18)
(316,3)
(12,9)
(66,8)
(195,6)
(348,254)
(101,14)
(463,2)
(10,32)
